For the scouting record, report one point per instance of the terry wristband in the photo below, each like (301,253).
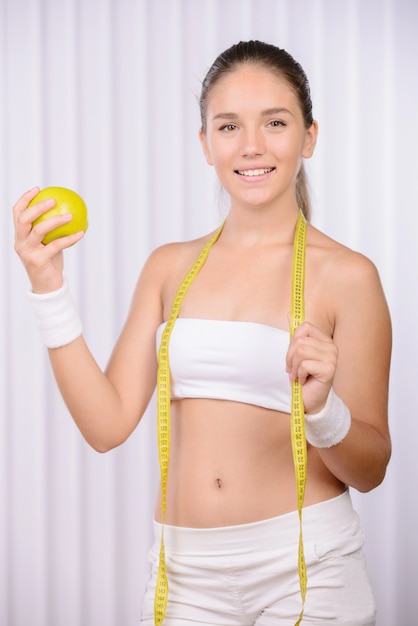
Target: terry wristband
(330,425)
(56,317)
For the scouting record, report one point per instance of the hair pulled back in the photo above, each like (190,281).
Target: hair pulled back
(284,65)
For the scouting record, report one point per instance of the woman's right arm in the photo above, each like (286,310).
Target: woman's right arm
(106,406)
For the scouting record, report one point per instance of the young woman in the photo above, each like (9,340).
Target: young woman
(231,526)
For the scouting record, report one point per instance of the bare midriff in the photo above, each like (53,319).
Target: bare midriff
(231,463)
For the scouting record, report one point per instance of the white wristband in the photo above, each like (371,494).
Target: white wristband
(330,425)
(56,317)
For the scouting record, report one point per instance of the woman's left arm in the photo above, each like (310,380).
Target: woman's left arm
(355,363)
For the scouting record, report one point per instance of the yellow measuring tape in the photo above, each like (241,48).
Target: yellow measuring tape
(163,407)
(297,315)
(163,420)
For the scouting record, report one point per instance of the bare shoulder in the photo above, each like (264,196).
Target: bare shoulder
(338,264)
(157,283)
(347,283)
(173,258)
(164,271)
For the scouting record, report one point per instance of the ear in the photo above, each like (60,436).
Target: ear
(310,140)
(205,147)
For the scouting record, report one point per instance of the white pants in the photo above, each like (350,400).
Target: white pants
(247,575)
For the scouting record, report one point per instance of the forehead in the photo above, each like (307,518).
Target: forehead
(251,86)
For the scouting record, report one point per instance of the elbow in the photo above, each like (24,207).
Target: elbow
(106,436)
(103,445)
(364,486)
(101,448)
(376,475)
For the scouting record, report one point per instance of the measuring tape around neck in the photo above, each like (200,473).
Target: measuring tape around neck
(163,407)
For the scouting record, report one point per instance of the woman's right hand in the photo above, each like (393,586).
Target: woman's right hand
(43,263)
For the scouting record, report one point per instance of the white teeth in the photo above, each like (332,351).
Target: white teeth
(254,172)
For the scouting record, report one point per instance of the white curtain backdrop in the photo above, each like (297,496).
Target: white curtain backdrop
(100,96)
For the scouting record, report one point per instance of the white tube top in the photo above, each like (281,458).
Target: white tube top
(224,360)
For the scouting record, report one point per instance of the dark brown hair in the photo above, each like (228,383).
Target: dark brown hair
(282,63)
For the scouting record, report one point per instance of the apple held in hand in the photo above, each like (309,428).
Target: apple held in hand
(66,201)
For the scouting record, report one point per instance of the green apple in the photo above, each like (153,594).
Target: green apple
(66,201)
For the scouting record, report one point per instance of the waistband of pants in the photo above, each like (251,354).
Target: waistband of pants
(327,518)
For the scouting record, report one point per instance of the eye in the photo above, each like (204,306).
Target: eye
(228,128)
(276,124)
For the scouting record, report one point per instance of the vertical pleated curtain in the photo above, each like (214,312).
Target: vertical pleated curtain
(101,97)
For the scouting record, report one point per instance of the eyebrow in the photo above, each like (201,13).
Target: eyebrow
(265,113)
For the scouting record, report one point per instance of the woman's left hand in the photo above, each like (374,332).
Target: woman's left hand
(312,359)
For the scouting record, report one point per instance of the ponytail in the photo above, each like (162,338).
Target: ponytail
(302,193)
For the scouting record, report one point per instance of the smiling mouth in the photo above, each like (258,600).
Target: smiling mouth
(258,172)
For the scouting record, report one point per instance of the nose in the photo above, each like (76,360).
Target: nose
(252,142)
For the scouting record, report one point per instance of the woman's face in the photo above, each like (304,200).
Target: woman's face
(256,136)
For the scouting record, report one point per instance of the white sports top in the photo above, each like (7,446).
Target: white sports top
(238,361)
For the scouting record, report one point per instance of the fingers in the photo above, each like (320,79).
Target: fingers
(61,243)
(47,225)
(22,204)
(24,215)
(322,370)
(312,360)
(43,263)
(30,237)
(311,353)
(31,213)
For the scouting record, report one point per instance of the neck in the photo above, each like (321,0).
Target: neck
(254,226)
